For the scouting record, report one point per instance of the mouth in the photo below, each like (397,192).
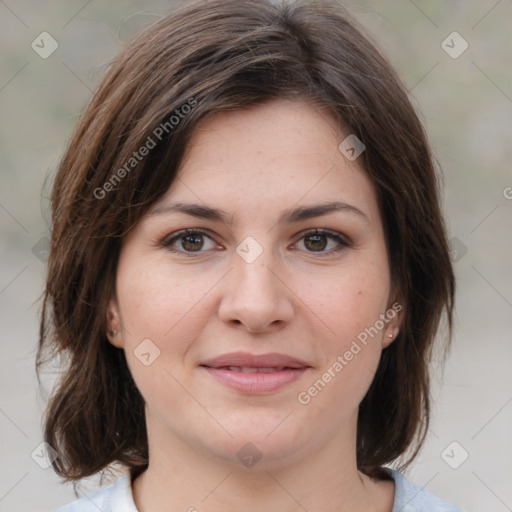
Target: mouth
(255,374)
(251,369)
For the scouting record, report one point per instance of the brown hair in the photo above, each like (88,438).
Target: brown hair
(215,56)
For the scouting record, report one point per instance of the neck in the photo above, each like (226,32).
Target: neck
(184,478)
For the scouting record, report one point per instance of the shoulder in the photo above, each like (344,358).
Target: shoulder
(114,498)
(412,498)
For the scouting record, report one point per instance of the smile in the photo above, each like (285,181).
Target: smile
(255,374)
(255,380)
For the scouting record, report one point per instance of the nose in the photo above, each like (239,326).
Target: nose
(256,297)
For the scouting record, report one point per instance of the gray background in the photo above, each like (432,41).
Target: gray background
(466,104)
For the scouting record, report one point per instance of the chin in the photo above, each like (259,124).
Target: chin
(259,442)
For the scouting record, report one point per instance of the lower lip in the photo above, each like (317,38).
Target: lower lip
(256,382)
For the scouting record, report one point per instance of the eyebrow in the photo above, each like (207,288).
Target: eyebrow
(289,216)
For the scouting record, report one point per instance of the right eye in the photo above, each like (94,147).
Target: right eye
(188,242)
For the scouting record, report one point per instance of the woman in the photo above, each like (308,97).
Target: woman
(248,268)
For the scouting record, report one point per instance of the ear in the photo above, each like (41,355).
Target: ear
(114,331)
(394,316)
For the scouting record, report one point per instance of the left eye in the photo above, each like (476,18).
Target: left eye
(194,241)
(317,241)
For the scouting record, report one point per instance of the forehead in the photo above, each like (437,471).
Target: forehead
(270,156)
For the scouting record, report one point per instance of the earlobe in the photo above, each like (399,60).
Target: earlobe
(394,314)
(114,333)
(390,336)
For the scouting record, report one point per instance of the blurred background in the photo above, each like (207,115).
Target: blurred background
(456,60)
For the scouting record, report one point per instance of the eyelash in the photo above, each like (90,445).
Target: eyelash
(171,239)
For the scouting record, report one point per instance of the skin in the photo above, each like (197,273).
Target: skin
(297,298)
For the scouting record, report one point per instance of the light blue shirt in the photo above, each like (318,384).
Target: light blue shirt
(118,498)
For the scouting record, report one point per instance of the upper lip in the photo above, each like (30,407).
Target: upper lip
(272,360)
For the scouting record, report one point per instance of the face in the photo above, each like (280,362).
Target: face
(259,314)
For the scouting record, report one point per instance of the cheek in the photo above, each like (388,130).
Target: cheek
(155,300)
(349,305)
(155,305)
(349,301)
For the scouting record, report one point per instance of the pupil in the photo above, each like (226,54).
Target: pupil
(316,239)
(191,242)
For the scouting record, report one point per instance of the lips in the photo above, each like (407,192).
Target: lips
(255,374)
(250,369)
(258,361)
